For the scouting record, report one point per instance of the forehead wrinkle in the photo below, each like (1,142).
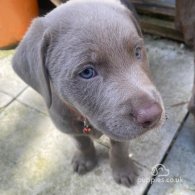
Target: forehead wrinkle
(132,41)
(82,56)
(115,39)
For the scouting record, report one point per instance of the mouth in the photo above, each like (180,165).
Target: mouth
(127,136)
(128,133)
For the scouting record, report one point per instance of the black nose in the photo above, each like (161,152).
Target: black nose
(148,115)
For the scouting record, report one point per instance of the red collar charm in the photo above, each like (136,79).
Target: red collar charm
(86,128)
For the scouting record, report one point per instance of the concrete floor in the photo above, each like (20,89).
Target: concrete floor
(35,157)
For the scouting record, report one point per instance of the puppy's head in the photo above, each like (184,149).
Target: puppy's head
(93,54)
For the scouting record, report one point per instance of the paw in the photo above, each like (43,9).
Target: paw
(125,174)
(83,163)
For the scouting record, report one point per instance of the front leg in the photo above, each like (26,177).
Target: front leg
(123,169)
(85,158)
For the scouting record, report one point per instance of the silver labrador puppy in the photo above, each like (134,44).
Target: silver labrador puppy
(87,59)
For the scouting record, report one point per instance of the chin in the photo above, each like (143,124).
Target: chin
(131,133)
(122,137)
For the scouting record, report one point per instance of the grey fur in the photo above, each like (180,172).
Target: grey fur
(96,33)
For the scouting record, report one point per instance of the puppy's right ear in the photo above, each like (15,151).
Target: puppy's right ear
(29,61)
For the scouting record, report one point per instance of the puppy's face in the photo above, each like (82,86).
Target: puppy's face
(98,64)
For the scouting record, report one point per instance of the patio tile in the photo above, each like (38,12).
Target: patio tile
(4,100)
(181,163)
(31,98)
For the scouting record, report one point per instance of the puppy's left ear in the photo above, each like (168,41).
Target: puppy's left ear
(133,15)
(29,61)
(137,26)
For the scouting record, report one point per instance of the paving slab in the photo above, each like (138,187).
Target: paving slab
(9,83)
(35,159)
(4,100)
(33,99)
(181,163)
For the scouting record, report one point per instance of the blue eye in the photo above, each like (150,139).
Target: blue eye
(138,52)
(88,73)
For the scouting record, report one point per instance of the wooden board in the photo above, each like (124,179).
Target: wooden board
(155,10)
(167,3)
(158,18)
(160,27)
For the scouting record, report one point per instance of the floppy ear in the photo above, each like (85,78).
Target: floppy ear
(137,26)
(30,57)
(133,15)
(130,6)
